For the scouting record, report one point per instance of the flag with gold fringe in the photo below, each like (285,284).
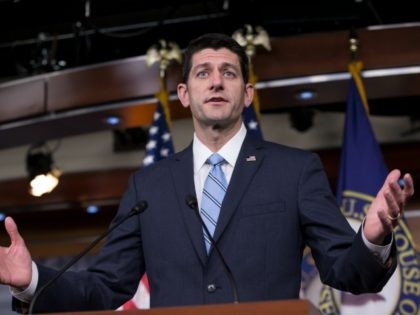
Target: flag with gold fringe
(362,173)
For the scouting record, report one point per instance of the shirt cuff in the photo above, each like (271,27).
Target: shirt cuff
(26,295)
(380,251)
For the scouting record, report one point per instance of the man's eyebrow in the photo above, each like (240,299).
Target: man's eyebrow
(223,65)
(201,65)
(229,65)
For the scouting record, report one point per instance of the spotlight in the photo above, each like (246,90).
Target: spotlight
(43,175)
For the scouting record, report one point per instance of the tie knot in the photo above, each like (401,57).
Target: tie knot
(215,159)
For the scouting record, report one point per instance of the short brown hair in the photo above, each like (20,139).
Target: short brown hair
(214,41)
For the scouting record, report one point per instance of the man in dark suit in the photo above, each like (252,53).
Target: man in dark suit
(277,200)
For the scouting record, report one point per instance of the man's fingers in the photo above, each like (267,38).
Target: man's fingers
(393,176)
(408,185)
(397,196)
(394,206)
(12,230)
(387,223)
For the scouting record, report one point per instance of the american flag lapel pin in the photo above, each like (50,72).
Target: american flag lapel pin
(251,158)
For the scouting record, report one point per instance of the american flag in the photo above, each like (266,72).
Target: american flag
(251,121)
(158,147)
(252,112)
(160,143)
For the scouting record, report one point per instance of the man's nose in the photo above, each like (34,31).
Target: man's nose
(217,81)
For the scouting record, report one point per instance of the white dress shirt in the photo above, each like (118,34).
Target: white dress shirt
(230,152)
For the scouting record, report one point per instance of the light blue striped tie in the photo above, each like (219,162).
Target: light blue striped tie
(213,194)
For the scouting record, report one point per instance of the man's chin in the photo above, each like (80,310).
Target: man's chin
(217,126)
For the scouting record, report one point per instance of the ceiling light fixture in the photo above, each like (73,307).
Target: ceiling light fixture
(113,120)
(305,95)
(43,175)
(92,209)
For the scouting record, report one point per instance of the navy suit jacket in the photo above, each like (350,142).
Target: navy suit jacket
(277,202)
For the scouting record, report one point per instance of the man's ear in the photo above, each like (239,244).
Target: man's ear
(249,94)
(183,94)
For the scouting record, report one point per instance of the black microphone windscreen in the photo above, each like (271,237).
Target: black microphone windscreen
(140,207)
(191,202)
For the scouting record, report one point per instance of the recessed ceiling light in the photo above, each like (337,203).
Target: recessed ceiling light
(305,95)
(92,209)
(113,120)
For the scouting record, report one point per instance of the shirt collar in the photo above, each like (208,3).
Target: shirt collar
(230,151)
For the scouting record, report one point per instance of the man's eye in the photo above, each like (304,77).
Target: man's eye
(202,74)
(229,74)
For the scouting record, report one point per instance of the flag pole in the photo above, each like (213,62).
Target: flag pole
(355,68)
(163,53)
(249,38)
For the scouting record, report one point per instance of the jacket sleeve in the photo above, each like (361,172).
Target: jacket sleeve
(343,260)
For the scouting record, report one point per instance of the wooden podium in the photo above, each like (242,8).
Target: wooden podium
(284,307)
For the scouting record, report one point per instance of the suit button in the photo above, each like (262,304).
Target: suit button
(211,288)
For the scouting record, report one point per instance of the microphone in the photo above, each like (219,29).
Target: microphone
(140,207)
(192,203)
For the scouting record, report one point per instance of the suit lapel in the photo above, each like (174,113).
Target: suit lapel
(249,160)
(183,181)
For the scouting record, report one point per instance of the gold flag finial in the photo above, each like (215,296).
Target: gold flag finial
(250,38)
(353,45)
(163,52)
(355,68)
